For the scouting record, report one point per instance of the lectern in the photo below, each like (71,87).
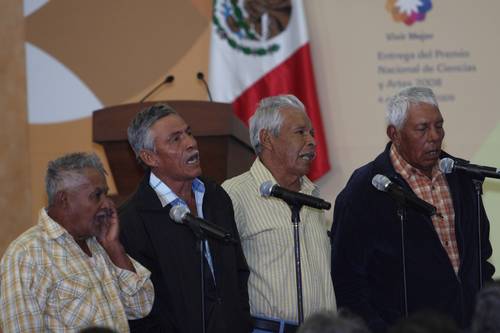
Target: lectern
(223,141)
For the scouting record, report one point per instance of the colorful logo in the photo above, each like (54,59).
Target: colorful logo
(251,25)
(408,11)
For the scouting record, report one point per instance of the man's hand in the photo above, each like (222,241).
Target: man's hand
(108,237)
(109,225)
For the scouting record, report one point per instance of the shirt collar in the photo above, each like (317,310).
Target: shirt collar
(261,174)
(52,228)
(167,196)
(405,169)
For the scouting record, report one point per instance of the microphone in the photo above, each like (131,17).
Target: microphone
(448,165)
(200,76)
(168,79)
(384,184)
(267,189)
(181,214)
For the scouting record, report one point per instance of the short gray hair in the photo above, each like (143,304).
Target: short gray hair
(268,117)
(398,105)
(138,132)
(67,170)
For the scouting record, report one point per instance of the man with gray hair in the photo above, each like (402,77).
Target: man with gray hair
(164,143)
(384,268)
(283,139)
(70,271)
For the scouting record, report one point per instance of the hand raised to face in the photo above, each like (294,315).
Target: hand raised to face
(107,218)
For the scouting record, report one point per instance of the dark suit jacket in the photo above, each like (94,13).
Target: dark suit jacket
(366,251)
(169,250)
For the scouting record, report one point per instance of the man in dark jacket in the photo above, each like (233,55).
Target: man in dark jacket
(440,266)
(164,143)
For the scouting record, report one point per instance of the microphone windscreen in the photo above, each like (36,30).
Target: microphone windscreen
(200,76)
(266,188)
(446,165)
(169,79)
(381,182)
(178,212)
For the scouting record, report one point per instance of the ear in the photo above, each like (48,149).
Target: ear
(393,134)
(149,158)
(266,140)
(61,199)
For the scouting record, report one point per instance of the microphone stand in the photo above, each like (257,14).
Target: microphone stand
(478,189)
(298,270)
(168,79)
(401,211)
(201,246)
(200,76)
(202,280)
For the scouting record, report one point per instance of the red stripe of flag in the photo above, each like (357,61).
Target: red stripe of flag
(294,76)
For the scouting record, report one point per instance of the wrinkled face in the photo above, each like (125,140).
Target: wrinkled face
(294,148)
(419,140)
(176,155)
(87,205)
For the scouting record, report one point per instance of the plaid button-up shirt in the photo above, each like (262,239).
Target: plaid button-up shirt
(48,284)
(434,190)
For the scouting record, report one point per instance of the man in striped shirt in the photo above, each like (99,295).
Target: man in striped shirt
(283,139)
(70,271)
(439,268)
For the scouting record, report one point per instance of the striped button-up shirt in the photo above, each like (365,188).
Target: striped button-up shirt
(434,190)
(266,233)
(48,284)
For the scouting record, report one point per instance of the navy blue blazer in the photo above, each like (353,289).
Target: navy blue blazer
(367,259)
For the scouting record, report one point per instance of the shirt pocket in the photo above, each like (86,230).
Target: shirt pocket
(72,302)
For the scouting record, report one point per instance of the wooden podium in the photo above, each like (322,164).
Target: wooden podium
(223,141)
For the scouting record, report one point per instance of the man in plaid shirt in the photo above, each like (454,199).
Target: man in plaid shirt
(70,271)
(441,253)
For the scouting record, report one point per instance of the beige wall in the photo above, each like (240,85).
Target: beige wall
(172,36)
(131,56)
(15,188)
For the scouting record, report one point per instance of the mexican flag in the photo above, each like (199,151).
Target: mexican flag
(260,48)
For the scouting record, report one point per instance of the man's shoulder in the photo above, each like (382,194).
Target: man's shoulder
(127,212)
(239,183)
(27,244)
(135,199)
(359,182)
(362,175)
(215,193)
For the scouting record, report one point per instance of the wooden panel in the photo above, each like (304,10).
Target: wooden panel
(205,118)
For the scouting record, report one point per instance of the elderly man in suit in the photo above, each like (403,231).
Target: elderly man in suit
(163,142)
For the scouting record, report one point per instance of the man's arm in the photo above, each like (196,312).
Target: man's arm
(136,288)
(109,239)
(242,266)
(243,270)
(20,299)
(487,268)
(350,252)
(138,246)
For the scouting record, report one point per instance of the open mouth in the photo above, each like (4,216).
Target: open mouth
(433,153)
(307,156)
(103,215)
(194,158)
